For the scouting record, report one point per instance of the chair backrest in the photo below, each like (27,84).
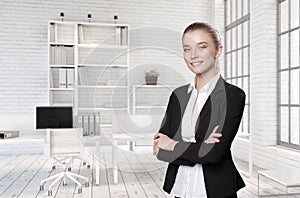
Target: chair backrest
(66,141)
(136,125)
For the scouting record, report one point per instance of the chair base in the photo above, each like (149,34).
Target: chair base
(64,175)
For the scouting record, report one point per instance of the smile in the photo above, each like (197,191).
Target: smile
(197,63)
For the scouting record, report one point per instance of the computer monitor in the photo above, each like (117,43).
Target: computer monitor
(54,117)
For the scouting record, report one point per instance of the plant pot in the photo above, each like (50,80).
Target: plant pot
(151,80)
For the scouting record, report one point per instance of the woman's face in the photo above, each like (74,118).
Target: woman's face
(199,51)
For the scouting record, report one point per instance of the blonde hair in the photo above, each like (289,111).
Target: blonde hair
(205,27)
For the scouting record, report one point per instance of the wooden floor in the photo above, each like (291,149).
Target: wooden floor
(140,175)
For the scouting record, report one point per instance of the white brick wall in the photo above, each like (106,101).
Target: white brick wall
(23,41)
(263,93)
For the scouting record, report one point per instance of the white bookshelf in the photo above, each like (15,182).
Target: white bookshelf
(95,57)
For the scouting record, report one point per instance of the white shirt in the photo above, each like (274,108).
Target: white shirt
(189,182)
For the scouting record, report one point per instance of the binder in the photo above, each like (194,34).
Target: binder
(85,125)
(97,124)
(79,121)
(70,78)
(62,78)
(91,124)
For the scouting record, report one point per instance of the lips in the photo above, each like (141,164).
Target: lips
(196,63)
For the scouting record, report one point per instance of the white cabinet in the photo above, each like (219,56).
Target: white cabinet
(88,66)
(150,99)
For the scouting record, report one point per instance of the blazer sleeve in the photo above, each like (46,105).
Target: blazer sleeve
(203,153)
(166,129)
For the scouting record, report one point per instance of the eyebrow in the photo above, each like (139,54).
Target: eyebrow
(199,43)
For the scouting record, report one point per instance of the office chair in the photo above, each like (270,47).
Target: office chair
(64,143)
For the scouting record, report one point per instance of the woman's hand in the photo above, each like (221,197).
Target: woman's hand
(164,142)
(213,137)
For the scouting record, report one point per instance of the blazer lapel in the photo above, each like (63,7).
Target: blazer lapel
(206,109)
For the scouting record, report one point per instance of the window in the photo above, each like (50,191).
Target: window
(288,73)
(237,41)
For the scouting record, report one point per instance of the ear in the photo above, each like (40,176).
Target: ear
(219,51)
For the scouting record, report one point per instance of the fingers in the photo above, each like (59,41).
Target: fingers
(215,129)
(213,137)
(157,135)
(216,135)
(211,140)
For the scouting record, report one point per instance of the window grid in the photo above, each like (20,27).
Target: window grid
(237,51)
(288,75)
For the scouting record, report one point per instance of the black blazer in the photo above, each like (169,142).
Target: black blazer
(224,107)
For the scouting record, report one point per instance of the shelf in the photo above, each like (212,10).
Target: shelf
(104,24)
(102,108)
(123,47)
(100,87)
(152,86)
(61,44)
(62,104)
(61,22)
(61,89)
(100,65)
(62,66)
(148,106)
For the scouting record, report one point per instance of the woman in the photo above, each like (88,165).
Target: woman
(201,121)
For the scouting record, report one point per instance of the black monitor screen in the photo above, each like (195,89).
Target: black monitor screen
(54,117)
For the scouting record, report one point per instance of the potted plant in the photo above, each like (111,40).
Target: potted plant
(151,77)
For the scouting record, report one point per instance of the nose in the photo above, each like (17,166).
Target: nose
(194,53)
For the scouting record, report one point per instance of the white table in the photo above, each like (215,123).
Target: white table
(288,178)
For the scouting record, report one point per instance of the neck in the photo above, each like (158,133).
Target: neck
(203,79)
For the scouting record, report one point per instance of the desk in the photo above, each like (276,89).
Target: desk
(116,138)
(288,178)
(132,128)
(95,139)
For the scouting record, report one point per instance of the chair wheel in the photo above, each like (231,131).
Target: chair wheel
(53,167)
(87,184)
(42,187)
(69,169)
(79,190)
(88,166)
(84,163)
(49,192)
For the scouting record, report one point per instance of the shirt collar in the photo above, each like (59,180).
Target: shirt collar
(208,87)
